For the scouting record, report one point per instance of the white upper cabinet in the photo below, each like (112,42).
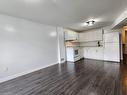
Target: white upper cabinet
(92,35)
(71,35)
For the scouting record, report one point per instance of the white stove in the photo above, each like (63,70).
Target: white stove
(73,53)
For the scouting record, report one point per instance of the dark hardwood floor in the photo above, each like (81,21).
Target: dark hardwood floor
(85,77)
(124,78)
(125,58)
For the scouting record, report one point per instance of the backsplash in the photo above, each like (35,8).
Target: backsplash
(72,44)
(83,44)
(91,44)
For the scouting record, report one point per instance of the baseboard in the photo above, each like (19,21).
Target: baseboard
(102,60)
(111,61)
(24,73)
(93,59)
(82,58)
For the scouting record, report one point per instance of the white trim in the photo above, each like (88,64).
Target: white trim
(58,43)
(121,18)
(23,73)
(61,44)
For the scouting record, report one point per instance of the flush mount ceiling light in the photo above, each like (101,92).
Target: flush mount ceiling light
(89,23)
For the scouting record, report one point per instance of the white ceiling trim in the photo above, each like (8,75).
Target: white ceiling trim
(121,18)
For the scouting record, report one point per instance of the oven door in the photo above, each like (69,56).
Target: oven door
(76,53)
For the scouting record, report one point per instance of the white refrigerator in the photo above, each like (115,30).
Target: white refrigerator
(112,46)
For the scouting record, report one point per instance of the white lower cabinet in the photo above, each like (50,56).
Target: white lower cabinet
(93,53)
(110,52)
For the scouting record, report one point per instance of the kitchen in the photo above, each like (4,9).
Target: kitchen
(97,44)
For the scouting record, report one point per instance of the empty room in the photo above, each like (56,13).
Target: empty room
(63,47)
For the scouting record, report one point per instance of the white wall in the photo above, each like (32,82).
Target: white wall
(25,46)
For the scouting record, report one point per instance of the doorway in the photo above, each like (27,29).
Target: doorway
(124,44)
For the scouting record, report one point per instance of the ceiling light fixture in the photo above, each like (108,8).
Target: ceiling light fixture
(89,23)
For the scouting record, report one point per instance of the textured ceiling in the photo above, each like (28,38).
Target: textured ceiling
(66,13)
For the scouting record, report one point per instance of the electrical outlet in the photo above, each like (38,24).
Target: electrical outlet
(62,59)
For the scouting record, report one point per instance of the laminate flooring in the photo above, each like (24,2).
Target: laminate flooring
(85,77)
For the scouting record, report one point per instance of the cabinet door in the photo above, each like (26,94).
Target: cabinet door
(86,53)
(98,35)
(81,52)
(84,37)
(68,35)
(71,35)
(94,35)
(76,36)
(112,52)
